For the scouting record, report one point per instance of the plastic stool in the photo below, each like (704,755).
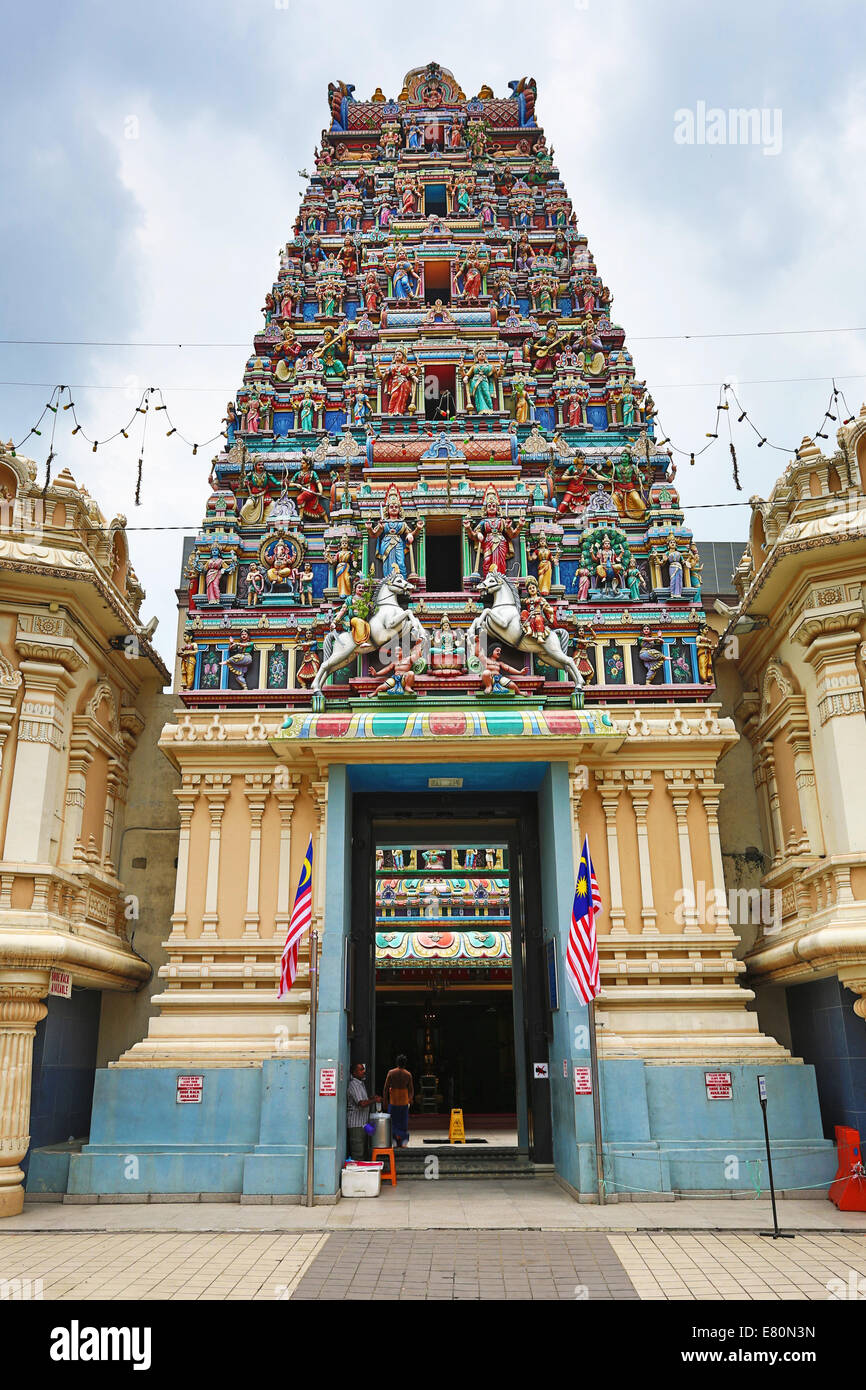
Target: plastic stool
(389,1169)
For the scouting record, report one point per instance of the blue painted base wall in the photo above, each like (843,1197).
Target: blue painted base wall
(64,1066)
(826,1032)
(248,1136)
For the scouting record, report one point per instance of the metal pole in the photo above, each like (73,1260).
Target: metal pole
(311,1081)
(762,1096)
(596,1104)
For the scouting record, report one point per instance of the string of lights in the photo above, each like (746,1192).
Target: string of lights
(152,399)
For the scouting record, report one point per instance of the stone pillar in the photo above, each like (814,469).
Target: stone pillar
(710,791)
(41,736)
(680,786)
(216,789)
(804,773)
(775,808)
(319,790)
(256,790)
(640,790)
(10,683)
(578,781)
(80,758)
(22,990)
(187,795)
(114,787)
(759,772)
(609,790)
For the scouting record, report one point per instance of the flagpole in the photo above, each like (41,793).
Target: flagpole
(596,1104)
(311,1081)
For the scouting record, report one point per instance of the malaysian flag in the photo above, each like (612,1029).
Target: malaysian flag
(581,956)
(301,915)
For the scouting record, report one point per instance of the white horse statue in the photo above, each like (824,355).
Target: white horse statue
(501,621)
(389,620)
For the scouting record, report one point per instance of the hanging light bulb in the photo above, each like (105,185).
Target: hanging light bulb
(77,428)
(170,432)
(95,446)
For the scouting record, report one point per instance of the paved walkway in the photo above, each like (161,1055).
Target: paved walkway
(513,1204)
(76,1266)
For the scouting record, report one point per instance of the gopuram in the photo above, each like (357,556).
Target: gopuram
(444,579)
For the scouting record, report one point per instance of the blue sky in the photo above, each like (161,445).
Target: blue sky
(172,236)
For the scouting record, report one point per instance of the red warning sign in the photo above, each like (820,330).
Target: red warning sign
(189,1089)
(582,1081)
(719,1084)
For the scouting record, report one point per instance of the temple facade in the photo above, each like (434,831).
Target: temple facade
(77,678)
(444,603)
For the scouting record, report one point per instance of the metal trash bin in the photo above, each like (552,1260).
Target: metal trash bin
(381,1136)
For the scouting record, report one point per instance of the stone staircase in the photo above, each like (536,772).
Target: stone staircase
(495,1163)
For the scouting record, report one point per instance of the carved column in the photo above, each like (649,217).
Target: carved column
(578,780)
(217,786)
(680,787)
(41,729)
(319,790)
(80,758)
(759,772)
(187,795)
(710,791)
(114,787)
(804,774)
(609,790)
(285,791)
(10,684)
(640,789)
(256,790)
(21,993)
(775,807)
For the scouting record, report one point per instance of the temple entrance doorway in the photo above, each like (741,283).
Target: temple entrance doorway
(448,967)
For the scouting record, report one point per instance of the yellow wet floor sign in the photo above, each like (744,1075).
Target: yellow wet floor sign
(456,1132)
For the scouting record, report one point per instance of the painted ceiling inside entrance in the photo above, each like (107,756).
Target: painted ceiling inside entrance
(442,485)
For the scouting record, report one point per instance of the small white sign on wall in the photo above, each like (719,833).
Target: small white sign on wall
(60,982)
(189,1089)
(719,1084)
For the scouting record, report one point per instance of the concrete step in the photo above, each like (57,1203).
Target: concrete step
(474,1161)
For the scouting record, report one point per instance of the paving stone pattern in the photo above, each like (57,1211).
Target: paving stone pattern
(498,1265)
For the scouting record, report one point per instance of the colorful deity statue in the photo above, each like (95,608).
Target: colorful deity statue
(705,642)
(401,676)
(576,412)
(674,560)
(494,681)
(609,567)
(309,490)
(546,559)
(468,275)
(335,351)
(371,292)
(633,580)
(308,665)
(342,559)
(693,560)
(394,537)
(583,582)
(188,654)
(537,616)
(591,348)
(541,351)
(628,486)
(493,536)
(576,487)
(291,293)
(252,413)
(505,293)
(255,582)
(585,634)
(262,487)
(213,566)
(405,274)
(281,560)
(306,412)
(651,652)
(523,253)
(479,379)
(447,649)
(230,420)
(348,255)
(520,398)
(305,585)
(239,658)
(355,613)
(285,354)
(397,384)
